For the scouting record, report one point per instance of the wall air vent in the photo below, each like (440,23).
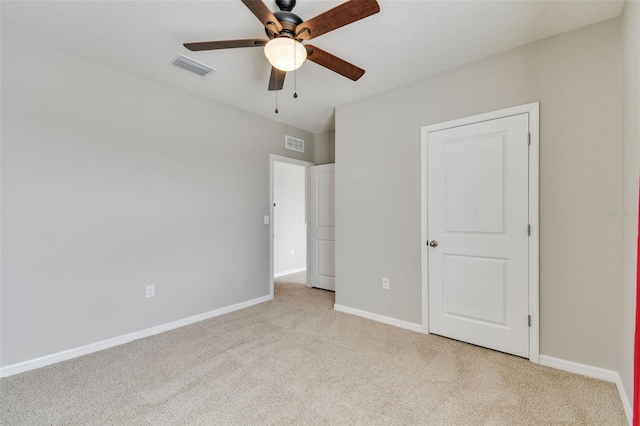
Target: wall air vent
(191,65)
(294,144)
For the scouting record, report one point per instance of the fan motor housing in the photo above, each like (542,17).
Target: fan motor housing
(289,22)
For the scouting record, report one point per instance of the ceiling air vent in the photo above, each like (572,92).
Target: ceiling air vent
(191,65)
(294,144)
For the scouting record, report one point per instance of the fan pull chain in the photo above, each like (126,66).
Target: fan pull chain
(276,91)
(295,74)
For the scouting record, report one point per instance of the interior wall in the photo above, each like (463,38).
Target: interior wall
(630,25)
(289,221)
(576,78)
(111,182)
(325,147)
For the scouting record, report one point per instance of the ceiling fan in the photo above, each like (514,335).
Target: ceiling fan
(286,31)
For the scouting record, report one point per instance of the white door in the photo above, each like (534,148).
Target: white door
(477,198)
(322,248)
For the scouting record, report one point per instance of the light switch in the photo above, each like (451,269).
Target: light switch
(266,219)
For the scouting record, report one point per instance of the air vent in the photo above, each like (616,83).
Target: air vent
(294,144)
(191,65)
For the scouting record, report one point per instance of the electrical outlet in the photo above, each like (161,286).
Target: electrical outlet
(291,252)
(151,291)
(385,283)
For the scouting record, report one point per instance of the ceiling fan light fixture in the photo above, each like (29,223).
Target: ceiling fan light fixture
(284,53)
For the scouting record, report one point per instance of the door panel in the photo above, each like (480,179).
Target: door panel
(322,227)
(477,201)
(475,288)
(326,259)
(474,190)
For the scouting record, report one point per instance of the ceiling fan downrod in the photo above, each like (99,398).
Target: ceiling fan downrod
(286,5)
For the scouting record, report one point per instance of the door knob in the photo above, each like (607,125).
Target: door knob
(433,243)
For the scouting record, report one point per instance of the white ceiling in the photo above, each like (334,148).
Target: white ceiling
(405,41)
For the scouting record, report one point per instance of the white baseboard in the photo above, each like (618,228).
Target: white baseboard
(380,318)
(292,271)
(32,364)
(593,372)
(626,401)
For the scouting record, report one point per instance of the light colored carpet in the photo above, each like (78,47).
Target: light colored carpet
(297,278)
(296,361)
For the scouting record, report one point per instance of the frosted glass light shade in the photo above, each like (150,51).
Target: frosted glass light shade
(285,53)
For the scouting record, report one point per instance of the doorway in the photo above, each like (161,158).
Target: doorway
(480,230)
(289,186)
(289,219)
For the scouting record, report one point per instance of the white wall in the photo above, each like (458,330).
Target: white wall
(289,221)
(325,147)
(112,181)
(630,175)
(576,78)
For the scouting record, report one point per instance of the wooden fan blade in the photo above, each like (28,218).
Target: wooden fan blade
(262,12)
(339,16)
(276,81)
(333,63)
(224,44)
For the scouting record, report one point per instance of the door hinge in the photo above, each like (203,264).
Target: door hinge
(529,320)
(529,230)
(529,139)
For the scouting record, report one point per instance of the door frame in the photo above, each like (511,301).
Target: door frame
(279,158)
(533,109)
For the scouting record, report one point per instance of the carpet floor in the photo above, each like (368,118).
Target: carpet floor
(296,361)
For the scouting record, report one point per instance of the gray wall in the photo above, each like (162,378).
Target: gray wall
(576,78)
(112,181)
(630,175)
(289,221)
(325,147)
